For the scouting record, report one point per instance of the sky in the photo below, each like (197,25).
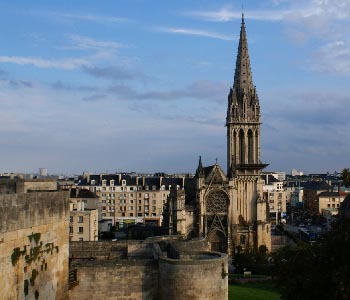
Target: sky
(142,85)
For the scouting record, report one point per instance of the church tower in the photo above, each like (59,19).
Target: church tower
(250,212)
(228,210)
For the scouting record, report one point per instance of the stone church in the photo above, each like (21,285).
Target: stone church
(228,208)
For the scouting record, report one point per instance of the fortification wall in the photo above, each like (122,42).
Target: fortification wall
(117,280)
(34,245)
(194,277)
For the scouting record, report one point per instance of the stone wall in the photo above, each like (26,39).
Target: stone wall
(117,280)
(34,245)
(194,277)
(25,186)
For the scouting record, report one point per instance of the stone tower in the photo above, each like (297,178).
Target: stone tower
(250,212)
(228,209)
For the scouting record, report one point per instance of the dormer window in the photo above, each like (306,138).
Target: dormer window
(154,187)
(104,182)
(111,182)
(123,182)
(93,182)
(147,187)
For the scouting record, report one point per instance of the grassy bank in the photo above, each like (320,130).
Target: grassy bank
(253,291)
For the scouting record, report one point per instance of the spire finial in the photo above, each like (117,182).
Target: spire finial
(242,13)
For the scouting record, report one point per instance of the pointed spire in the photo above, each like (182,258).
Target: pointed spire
(243,75)
(200,169)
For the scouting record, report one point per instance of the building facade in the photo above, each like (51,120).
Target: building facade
(126,199)
(83,223)
(229,209)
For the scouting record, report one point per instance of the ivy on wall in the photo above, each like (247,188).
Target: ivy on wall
(35,254)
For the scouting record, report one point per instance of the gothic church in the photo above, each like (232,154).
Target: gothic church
(228,209)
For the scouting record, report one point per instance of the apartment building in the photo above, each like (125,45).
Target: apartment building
(83,223)
(126,199)
(277,198)
(329,202)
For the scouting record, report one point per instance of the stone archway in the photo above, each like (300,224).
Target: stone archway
(217,241)
(216,220)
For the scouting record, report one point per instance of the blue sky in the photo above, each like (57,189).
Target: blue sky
(141,85)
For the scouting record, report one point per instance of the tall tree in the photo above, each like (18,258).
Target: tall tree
(346,177)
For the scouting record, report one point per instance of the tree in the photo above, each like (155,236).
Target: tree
(346,177)
(317,271)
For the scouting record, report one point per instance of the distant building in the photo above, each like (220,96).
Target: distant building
(276,197)
(83,223)
(295,172)
(42,172)
(330,202)
(126,199)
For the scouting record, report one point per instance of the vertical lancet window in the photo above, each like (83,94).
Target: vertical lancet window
(250,147)
(241,147)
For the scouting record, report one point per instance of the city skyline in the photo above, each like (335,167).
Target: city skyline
(142,86)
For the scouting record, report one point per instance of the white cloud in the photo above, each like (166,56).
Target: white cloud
(296,10)
(66,64)
(101,19)
(333,57)
(196,32)
(86,43)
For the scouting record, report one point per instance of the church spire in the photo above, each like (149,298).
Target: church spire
(200,169)
(243,74)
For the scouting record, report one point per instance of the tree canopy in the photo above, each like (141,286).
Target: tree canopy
(316,271)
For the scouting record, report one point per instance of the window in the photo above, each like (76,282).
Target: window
(81,239)
(154,195)
(131,201)
(131,195)
(70,229)
(154,202)
(139,214)
(131,188)
(131,214)
(123,182)
(154,208)
(131,208)
(81,219)
(123,214)
(242,239)
(71,219)
(81,229)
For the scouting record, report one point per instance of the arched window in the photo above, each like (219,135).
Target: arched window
(250,147)
(241,147)
(257,158)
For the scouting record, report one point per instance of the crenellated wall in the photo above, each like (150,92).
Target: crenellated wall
(34,245)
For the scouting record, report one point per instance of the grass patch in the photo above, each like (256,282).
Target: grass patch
(253,291)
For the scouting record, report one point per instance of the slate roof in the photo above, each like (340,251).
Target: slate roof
(329,194)
(83,193)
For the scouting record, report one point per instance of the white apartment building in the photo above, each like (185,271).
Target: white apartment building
(126,199)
